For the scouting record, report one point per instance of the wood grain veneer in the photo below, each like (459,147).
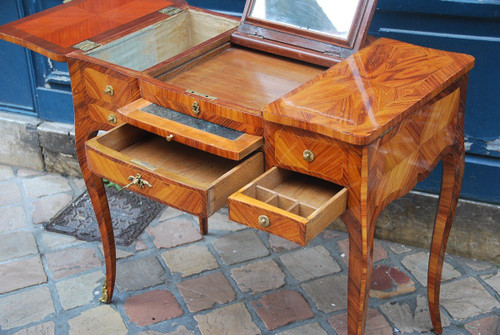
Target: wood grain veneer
(360,98)
(252,79)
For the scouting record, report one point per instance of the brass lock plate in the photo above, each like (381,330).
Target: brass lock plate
(195,107)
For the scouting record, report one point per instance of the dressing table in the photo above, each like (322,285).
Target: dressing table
(293,117)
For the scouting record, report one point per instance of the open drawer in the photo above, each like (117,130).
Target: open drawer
(189,130)
(288,204)
(186,178)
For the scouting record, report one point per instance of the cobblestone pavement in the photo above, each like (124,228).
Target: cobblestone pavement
(233,281)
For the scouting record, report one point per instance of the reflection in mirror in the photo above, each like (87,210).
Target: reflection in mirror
(330,17)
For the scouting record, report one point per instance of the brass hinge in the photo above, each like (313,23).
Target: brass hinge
(170,10)
(385,132)
(86,45)
(201,94)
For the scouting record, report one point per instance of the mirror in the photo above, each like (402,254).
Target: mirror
(334,18)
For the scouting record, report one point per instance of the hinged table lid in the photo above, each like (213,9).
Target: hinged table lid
(80,24)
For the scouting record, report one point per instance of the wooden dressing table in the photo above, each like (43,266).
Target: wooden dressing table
(292,127)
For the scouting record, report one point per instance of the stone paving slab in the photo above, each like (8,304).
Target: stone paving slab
(206,291)
(229,320)
(79,291)
(67,262)
(25,307)
(259,277)
(13,219)
(140,273)
(240,247)
(17,244)
(190,260)
(467,297)
(281,308)
(102,320)
(310,263)
(22,273)
(152,307)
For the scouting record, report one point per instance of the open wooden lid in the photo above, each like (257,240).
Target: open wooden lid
(79,24)
(335,28)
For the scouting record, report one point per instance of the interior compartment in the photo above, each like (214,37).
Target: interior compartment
(149,46)
(174,159)
(247,77)
(293,192)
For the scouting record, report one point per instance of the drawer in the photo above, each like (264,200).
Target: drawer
(309,155)
(288,204)
(110,89)
(102,114)
(189,130)
(186,178)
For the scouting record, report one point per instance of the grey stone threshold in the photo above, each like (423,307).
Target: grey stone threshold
(29,142)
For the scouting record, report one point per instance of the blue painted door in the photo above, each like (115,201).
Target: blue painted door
(30,83)
(468,26)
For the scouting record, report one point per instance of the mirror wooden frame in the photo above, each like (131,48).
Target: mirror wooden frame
(307,39)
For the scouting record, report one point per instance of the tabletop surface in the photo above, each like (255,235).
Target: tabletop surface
(360,98)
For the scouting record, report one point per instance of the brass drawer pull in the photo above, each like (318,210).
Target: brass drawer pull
(308,155)
(137,180)
(109,90)
(170,137)
(112,118)
(264,221)
(195,108)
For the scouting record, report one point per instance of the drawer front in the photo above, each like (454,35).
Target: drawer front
(188,179)
(110,89)
(102,114)
(309,155)
(299,226)
(118,171)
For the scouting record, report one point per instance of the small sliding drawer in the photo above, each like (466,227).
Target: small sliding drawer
(189,130)
(186,178)
(288,204)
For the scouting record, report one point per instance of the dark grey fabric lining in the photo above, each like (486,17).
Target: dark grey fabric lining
(190,121)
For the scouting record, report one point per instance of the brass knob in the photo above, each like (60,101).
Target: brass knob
(195,108)
(109,90)
(308,155)
(170,137)
(264,221)
(112,118)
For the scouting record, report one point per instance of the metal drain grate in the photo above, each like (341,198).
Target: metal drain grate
(130,213)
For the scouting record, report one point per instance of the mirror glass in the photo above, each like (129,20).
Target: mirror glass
(330,17)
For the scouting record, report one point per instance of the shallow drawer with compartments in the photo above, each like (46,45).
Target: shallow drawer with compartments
(288,204)
(186,178)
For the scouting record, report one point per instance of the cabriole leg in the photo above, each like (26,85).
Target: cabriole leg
(453,170)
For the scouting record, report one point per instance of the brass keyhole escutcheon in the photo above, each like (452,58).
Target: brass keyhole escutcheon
(112,118)
(137,180)
(109,90)
(308,155)
(264,221)
(195,108)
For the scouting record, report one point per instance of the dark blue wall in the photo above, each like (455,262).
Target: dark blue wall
(32,84)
